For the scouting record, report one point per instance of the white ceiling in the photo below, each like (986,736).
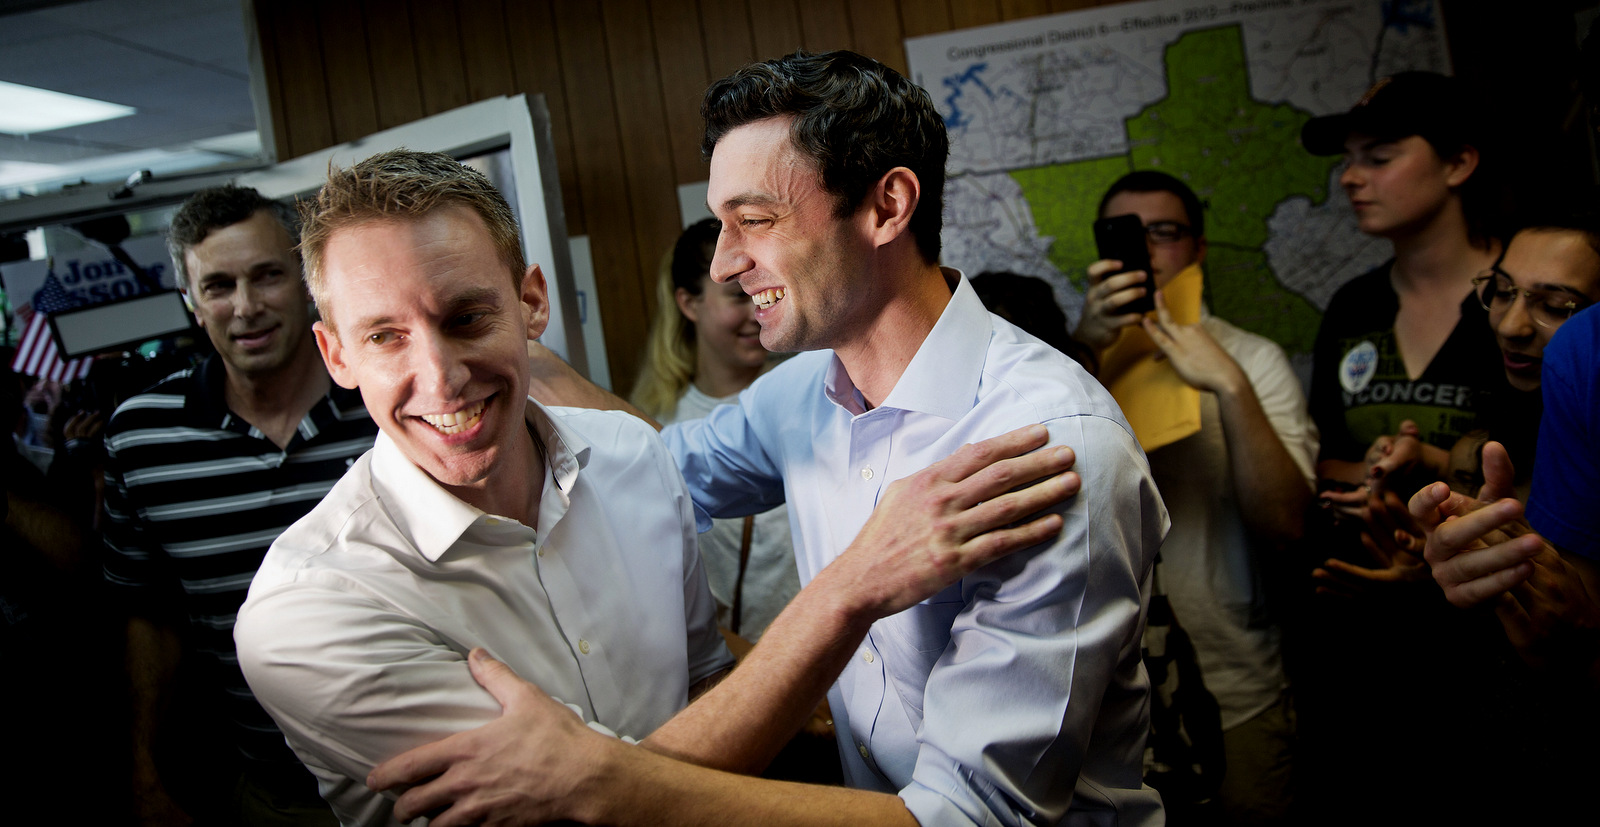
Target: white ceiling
(182,63)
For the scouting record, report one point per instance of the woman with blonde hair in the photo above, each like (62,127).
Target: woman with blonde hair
(704,348)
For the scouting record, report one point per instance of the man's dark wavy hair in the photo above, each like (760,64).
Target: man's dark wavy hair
(853,116)
(1571,209)
(212,209)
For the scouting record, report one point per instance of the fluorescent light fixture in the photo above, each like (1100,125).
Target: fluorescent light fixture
(13,173)
(25,110)
(241,144)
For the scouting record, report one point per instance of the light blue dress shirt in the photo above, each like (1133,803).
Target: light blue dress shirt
(1017,695)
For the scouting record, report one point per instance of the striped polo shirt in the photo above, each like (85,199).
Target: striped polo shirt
(194,497)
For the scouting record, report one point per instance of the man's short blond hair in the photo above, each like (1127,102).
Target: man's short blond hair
(401,184)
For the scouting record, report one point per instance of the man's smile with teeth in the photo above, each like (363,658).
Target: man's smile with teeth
(455,423)
(768,297)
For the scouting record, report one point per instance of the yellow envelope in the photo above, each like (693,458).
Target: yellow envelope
(1158,404)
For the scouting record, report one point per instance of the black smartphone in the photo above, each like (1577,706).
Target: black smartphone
(1122,238)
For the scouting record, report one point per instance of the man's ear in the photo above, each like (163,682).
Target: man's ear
(1200,251)
(188,300)
(183,287)
(535,302)
(893,200)
(333,355)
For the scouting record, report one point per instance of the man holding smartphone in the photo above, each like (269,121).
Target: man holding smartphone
(1175,235)
(1234,489)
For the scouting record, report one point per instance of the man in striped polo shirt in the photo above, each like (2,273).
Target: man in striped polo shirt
(206,469)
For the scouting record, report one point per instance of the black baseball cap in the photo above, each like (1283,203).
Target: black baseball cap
(1431,105)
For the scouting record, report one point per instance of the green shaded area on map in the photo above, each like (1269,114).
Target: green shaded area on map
(1241,156)
(1064,199)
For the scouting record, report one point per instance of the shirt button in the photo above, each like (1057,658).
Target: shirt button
(868,656)
(540,552)
(491,521)
(861,747)
(583,646)
(866,473)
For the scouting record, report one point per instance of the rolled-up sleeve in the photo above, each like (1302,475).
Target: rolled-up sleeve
(1037,706)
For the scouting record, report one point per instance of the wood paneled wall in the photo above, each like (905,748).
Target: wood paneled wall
(623,80)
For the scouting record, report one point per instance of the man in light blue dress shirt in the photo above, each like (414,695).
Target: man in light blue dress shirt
(1014,696)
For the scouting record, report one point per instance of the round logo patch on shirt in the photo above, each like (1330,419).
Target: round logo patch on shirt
(1357,367)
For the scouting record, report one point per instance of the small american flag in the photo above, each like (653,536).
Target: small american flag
(52,298)
(36,352)
(37,356)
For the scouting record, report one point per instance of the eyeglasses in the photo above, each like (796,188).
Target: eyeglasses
(1167,232)
(1496,292)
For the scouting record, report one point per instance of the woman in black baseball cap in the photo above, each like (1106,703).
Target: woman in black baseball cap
(1407,341)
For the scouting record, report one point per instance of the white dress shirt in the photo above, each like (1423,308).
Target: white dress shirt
(1016,696)
(357,627)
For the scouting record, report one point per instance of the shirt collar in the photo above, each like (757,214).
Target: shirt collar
(433,519)
(207,403)
(564,450)
(942,378)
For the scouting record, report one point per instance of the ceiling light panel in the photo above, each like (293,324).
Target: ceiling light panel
(25,110)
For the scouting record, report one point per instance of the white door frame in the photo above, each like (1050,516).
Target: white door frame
(520,124)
